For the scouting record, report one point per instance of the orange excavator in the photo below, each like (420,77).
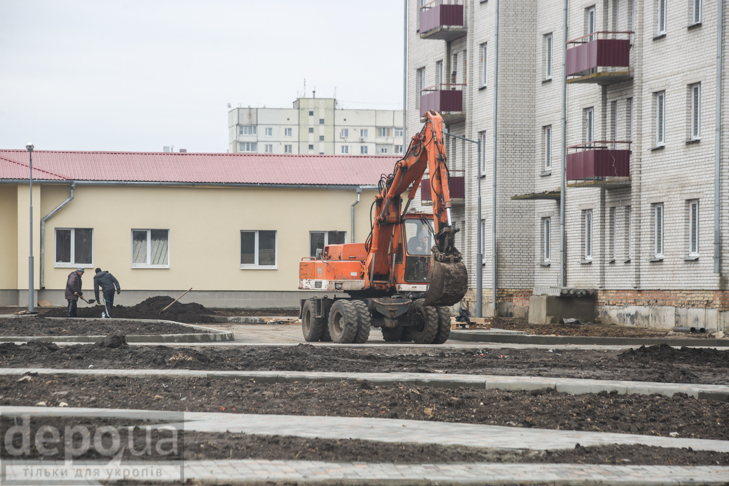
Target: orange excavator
(407,273)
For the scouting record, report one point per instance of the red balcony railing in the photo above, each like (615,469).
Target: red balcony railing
(601,57)
(598,161)
(457,185)
(446,99)
(442,19)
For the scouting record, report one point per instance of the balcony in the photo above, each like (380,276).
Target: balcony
(442,20)
(601,58)
(599,164)
(446,99)
(457,185)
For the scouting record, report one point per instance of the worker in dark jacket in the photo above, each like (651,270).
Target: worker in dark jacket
(73,291)
(108,284)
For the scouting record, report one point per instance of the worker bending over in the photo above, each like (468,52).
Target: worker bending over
(73,291)
(108,283)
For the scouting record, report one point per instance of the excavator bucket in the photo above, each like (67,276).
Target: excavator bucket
(448,283)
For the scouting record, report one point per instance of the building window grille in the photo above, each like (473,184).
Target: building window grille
(484,64)
(658,230)
(319,239)
(546,239)
(258,249)
(150,248)
(693,227)
(548,56)
(246,129)
(74,247)
(587,234)
(547,146)
(660,102)
(695,111)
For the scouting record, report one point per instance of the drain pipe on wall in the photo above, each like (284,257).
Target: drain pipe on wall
(359,196)
(43,235)
(563,188)
(496,118)
(717,143)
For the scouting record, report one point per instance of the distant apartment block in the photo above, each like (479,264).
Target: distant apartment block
(315,126)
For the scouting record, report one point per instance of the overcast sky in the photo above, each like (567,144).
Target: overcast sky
(135,75)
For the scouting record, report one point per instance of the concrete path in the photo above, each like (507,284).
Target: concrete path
(439,380)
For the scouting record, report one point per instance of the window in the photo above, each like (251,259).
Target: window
(547,145)
(693,221)
(246,129)
(287,132)
(74,247)
(628,232)
(587,234)
(546,239)
(695,111)
(548,56)
(696,11)
(311,147)
(344,133)
(288,149)
(398,149)
(398,132)
(258,249)
(658,230)
(611,234)
(590,22)
(383,150)
(247,147)
(269,132)
(321,138)
(269,148)
(420,86)
(614,121)
(661,23)
(438,74)
(321,121)
(311,129)
(384,132)
(363,150)
(589,125)
(629,119)
(484,68)
(311,112)
(364,133)
(345,149)
(454,65)
(320,239)
(631,17)
(150,248)
(660,105)
(482,139)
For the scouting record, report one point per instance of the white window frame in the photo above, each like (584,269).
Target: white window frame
(256,266)
(345,149)
(398,133)
(149,248)
(590,22)
(248,147)
(614,122)
(288,149)
(268,131)
(548,55)
(546,240)
(658,235)
(383,150)
(589,124)
(268,148)
(311,129)
(438,74)
(547,146)
(326,238)
(364,133)
(587,235)
(660,104)
(628,233)
(484,64)
(288,132)
(363,150)
(629,119)
(482,162)
(662,17)
(695,122)
(420,86)
(246,129)
(696,11)
(398,149)
(344,133)
(383,132)
(72,263)
(694,220)
(612,230)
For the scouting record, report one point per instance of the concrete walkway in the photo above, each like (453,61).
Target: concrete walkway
(573,386)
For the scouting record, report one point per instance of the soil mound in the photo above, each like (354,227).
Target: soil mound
(192,313)
(686,356)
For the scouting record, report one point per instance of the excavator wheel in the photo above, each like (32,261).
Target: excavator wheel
(325,336)
(364,322)
(343,321)
(427,328)
(312,326)
(448,284)
(444,325)
(392,334)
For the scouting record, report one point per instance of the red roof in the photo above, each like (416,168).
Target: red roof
(196,168)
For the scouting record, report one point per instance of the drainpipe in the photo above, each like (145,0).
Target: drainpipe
(717,143)
(496,118)
(563,185)
(404,86)
(43,235)
(359,196)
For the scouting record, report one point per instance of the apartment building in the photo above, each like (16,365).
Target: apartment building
(641,187)
(315,126)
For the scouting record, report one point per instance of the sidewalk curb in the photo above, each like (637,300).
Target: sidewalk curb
(475,336)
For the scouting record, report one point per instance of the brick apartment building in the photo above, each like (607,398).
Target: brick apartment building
(641,151)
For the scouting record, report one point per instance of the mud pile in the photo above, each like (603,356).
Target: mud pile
(192,313)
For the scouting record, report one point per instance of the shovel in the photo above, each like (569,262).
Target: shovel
(87,301)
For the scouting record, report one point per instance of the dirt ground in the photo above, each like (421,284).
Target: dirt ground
(658,415)
(190,313)
(39,326)
(654,363)
(586,329)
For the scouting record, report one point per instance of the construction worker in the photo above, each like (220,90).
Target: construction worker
(73,291)
(108,283)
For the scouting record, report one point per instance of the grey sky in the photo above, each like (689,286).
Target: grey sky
(135,75)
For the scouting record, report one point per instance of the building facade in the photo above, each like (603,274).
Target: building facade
(643,201)
(315,126)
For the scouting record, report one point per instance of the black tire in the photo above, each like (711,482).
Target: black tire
(312,326)
(444,325)
(427,328)
(343,322)
(364,321)
(392,334)
(326,307)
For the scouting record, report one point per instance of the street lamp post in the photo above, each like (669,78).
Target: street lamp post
(479,250)
(31,283)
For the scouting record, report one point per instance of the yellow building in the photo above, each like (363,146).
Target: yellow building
(233,227)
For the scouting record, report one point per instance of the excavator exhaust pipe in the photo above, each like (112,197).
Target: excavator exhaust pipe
(448,283)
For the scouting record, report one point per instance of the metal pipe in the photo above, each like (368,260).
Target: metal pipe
(359,196)
(563,182)
(496,119)
(31,264)
(717,142)
(43,235)
(405,82)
